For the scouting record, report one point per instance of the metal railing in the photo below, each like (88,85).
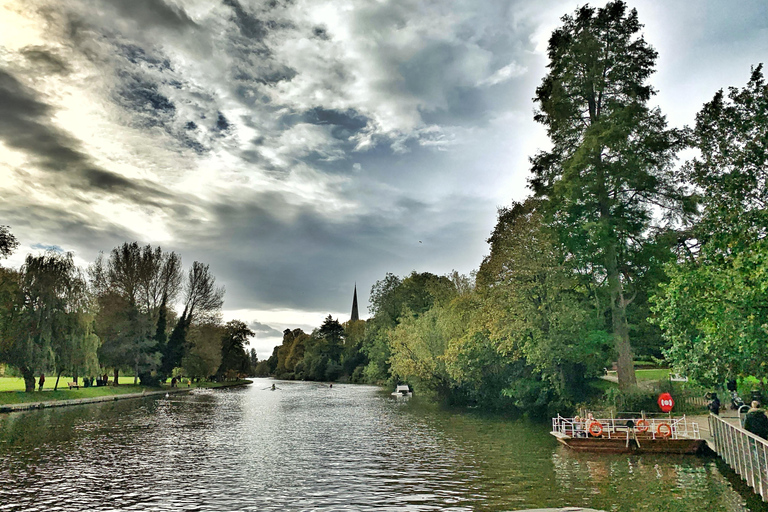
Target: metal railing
(663,427)
(743,451)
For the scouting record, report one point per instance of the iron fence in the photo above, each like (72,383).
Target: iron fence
(743,451)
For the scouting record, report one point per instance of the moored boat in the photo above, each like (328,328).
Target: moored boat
(638,435)
(402,390)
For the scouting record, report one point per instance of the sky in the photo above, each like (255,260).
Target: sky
(302,147)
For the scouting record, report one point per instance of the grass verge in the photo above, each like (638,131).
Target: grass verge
(47,395)
(17,383)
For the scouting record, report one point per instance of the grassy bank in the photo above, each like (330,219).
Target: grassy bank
(17,383)
(13,393)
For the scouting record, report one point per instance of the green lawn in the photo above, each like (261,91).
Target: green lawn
(17,383)
(648,375)
(653,374)
(18,397)
(12,390)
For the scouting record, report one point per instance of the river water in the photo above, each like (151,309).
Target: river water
(308,447)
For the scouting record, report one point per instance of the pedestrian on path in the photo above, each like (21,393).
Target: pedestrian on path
(714,403)
(756,421)
(42,381)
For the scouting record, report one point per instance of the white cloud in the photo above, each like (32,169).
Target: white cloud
(301,147)
(509,71)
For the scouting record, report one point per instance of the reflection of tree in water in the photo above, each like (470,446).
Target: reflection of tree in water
(646,482)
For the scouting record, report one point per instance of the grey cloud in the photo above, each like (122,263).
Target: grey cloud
(249,26)
(263,330)
(348,119)
(152,13)
(25,124)
(51,224)
(43,247)
(321,32)
(143,97)
(248,45)
(222,125)
(138,72)
(45,60)
(148,88)
(296,257)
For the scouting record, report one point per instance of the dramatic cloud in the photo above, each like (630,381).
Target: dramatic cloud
(300,146)
(264,330)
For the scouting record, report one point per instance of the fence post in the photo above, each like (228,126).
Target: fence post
(750,454)
(764,472)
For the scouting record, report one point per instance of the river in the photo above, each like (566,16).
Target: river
(308,447)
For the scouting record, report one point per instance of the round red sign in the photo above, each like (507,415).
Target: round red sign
(666,402)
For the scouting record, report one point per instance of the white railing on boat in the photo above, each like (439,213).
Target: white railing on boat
(654,428)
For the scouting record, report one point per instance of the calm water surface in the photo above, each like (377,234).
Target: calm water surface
(310,447)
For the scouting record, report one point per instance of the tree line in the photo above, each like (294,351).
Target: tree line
(620,252)
(119,314)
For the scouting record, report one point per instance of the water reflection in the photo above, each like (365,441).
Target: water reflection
(310,447)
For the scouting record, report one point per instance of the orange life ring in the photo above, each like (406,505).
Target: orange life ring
(642,425)
(667,430)
(595,429)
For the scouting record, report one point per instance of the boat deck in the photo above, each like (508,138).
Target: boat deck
(664,434)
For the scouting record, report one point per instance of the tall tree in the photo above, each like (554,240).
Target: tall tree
(10,292)
(203,358)
(8,242)
(537,306)
(234,360)
(291,353)
(133,287)
(714,310)
(610,162)
(392,299)
(48,326)
(202,298)
(202,303)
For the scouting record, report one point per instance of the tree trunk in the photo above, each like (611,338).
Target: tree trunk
(58,375)
(625,367)
(29,379)
(114,382)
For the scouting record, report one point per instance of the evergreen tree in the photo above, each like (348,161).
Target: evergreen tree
(610,162)
(234,360)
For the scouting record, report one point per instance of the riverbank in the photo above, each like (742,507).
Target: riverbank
(12,401)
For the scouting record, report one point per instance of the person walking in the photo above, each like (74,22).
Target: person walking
(756,421)
(714,404)
(41,382)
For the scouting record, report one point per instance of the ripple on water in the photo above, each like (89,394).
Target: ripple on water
(310,447)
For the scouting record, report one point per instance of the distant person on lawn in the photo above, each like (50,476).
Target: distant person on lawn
(756,421)
(42,381)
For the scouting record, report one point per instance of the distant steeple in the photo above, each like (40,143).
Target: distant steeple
(355,316)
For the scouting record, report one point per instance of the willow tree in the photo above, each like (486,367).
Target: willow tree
(49,327)
(609,168)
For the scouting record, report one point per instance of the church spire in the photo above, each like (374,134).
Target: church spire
(355,316)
